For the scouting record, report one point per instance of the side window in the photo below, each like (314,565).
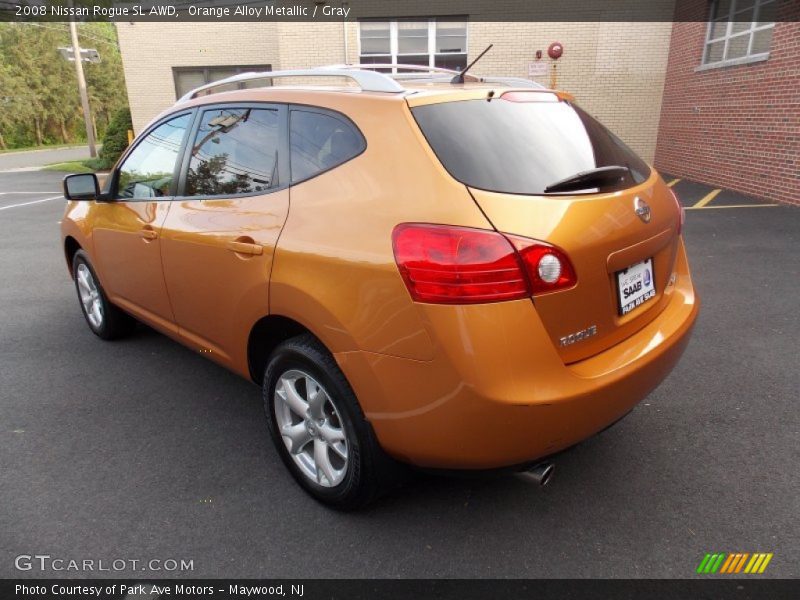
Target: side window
(148,170)
(235,152)
(320,141)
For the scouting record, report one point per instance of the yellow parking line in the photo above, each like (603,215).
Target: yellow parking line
(673,182)
(707,198)
(696,207)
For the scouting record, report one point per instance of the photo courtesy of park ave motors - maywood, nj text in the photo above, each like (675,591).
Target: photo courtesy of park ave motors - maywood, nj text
(356,298)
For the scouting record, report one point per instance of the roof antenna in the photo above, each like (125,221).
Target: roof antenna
(460,77)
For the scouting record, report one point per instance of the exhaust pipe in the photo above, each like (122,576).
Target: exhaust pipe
(540,474)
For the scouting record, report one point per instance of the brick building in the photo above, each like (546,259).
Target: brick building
(616,70)
(717,109)
(730,115)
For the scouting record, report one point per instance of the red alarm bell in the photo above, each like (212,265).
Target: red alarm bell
(555,50)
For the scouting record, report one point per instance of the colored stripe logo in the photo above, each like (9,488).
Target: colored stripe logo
(737,562)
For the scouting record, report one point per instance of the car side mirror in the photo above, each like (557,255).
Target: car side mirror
(81,186)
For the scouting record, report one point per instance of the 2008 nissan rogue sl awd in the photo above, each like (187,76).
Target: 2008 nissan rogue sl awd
(460,276)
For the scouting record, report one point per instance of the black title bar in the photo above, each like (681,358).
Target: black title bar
(353,10)
(370,589)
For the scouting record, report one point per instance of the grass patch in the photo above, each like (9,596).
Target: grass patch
(75,166)
(89,165)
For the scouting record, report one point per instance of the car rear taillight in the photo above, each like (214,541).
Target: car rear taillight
(444,264)
(549,269)
(456,265)
(681,211)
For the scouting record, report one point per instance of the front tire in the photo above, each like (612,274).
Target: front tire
(318,428)
(104,319)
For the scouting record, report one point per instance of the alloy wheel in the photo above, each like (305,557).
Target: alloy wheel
(311,428)
(90,296)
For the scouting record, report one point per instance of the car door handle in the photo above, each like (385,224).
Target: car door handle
(246,248)
(149,234)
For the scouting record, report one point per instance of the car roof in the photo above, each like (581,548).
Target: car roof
(414,92)
(412,84)
(390,78)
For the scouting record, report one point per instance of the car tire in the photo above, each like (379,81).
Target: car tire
(104,319)
(331,450)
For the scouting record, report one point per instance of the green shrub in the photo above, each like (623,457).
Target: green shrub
(116,138)
(97,164)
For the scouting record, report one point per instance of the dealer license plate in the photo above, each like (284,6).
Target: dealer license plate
(635,286)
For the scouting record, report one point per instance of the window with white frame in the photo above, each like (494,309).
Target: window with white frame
(188,78)
(739,30)
(439,42)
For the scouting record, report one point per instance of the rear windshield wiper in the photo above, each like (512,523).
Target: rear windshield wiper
(601,177)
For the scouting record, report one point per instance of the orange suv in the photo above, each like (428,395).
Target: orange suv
(467,275)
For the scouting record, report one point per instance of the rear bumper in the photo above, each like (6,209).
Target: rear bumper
(498,394)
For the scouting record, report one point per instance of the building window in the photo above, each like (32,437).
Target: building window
(189,78)
(440,42)
(739,31)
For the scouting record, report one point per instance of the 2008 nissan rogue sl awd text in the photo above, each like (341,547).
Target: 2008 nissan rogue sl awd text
(453,275)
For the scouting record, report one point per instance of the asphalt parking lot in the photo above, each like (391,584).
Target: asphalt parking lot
(142,449)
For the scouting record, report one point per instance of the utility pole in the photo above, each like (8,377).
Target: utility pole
(87,115)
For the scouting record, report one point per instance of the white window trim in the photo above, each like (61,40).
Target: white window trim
(394,44)
(749,57)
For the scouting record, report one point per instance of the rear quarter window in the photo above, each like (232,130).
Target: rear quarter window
(320,141)
(522,147)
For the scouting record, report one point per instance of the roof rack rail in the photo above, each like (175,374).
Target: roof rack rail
(421,69)
(421,72)
(407,67)
(513,81)
(366,78)
(368,81)
(445,78)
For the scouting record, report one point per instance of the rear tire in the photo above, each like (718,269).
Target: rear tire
(104,319)
(318,427)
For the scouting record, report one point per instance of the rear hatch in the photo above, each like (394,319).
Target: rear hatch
(619,227)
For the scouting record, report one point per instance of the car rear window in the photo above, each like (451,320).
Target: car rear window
(521,147)
(321,141)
